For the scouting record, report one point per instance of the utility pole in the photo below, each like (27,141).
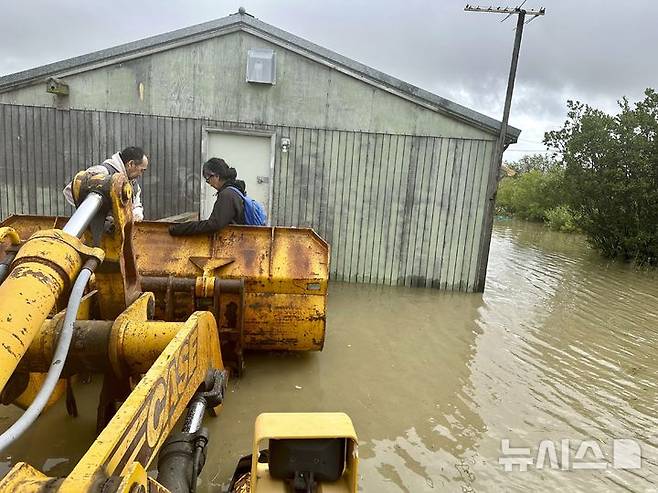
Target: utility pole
(483,257)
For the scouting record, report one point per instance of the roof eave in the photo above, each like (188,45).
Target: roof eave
(133,49)
(271,33)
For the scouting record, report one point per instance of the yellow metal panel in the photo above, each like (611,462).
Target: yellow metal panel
(288,257)
(10,233)
(33,386)
(304,426)
(285,271)
(23,478)
(286,268)
(139,428)
(299,257)
(142,343)
(26,298)
(258,254)
(26,225)
(44,266)
(284,321)
(134,477)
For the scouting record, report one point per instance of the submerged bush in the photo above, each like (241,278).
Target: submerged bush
(530,195)
(561,218)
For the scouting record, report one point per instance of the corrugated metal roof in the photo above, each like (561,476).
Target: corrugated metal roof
(248,23)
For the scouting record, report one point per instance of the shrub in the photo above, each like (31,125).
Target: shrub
(531,194)
(611,176)
(561,218)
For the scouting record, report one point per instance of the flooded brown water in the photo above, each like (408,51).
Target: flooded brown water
(561,346)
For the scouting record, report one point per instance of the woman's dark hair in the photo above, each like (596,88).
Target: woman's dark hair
(218,167)
(132,154)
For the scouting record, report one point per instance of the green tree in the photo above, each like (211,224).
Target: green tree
(530,162)
(611,175)
(531,194)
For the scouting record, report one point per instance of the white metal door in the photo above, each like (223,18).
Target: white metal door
(250,155)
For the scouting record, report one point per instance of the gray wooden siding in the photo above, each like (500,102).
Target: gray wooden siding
(396,209)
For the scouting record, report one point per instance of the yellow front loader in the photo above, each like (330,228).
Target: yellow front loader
(159,317)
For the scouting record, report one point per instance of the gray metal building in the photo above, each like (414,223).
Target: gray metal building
(396,179)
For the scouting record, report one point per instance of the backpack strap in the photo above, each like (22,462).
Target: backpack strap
(237,190)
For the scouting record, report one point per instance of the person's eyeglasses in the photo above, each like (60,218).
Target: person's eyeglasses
(208,178)
(140,165)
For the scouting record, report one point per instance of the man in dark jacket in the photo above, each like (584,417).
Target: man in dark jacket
(229,205)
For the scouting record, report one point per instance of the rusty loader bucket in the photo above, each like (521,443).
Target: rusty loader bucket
(266,286)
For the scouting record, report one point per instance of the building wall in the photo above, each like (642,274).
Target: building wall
(207,80)
(396,209)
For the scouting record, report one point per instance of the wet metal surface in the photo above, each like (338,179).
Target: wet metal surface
(285,272)
(561,346)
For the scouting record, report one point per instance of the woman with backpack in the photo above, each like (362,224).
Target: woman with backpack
(229,206)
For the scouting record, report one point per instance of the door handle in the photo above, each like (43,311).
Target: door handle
(262,179)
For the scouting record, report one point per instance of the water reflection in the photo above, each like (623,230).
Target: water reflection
(424,425)
(397,361)
(56,442)
(576,339)
(561,346)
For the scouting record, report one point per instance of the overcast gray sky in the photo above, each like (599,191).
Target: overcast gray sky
(595,51)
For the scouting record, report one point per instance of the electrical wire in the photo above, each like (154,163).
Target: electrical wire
(56,366)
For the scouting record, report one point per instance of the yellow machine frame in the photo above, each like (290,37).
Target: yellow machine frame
(304,426)
(258,288)
(176,356)
(128,444)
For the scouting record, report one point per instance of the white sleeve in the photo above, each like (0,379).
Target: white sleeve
(138,209)
(68,193)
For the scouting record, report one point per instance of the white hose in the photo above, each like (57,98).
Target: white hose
(56,367)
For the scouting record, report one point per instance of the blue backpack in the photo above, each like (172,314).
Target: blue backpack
(254,212)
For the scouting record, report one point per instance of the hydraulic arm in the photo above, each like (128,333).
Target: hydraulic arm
(44,268)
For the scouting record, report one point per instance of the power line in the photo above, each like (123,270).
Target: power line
(527,150)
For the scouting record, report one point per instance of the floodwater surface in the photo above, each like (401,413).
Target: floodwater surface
(552,373)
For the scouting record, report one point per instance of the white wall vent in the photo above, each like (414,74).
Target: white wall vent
(261,66)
